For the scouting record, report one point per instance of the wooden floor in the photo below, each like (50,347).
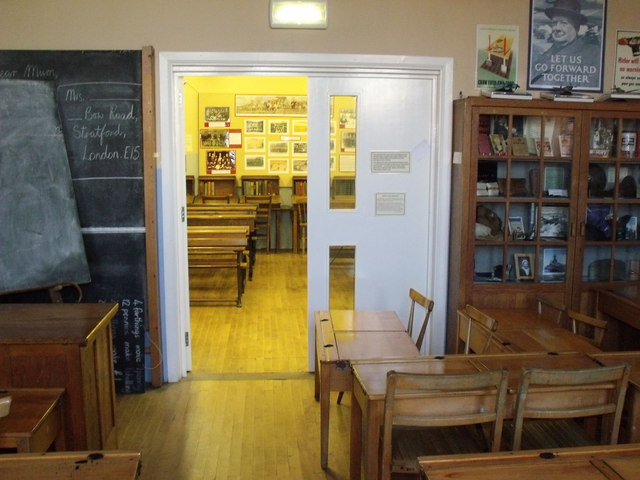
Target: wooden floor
(247,410)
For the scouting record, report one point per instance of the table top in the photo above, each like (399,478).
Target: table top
(37,323)
(523,330)
(28,407)
(361,320)
(615,358)
(581,463)
(345,335)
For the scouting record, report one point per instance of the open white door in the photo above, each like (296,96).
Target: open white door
(399,226)
(404,105)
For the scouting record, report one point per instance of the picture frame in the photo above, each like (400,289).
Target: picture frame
(279,149)
(271,105)
(214,138)
(566,45)
(555,181)
(278,165)
(554,222)
(254,126)
(516,228)
(299,127)
(299,165)
(221,162)
(524,266)
(278,127)
(554,264)
(348,142)
(255,162)
(217,114)
(255,144)
(299,149)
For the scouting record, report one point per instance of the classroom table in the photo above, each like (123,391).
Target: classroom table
(86,465)
(601,462)
(369,385)
(524,330)
(630,430)
(343,336)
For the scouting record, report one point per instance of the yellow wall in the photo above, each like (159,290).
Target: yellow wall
(221,92)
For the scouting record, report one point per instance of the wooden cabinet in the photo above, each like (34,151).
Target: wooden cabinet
(544,200)
(217,185)
(260,184)
(66,346)
(299,185)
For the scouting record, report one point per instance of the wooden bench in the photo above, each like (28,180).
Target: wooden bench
(212,249)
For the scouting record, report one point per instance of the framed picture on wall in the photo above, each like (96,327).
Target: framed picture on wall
(299,165)
(271,105)
(299,149)
(279,148)
(254,162)
(278,165)
(299,127)
(221,161)
(254,127)
(216,114)
(254,144)
(566,44)
(214,138)
(278,127)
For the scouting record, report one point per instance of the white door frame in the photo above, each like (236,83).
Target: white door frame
(173,271)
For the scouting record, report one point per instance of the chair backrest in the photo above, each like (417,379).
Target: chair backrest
(562,394)
(588,327)
(406,394)
(216,198)
(427,304)
(550,309)
(476,329)
(264,204)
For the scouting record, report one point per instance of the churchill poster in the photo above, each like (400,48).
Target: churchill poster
(566,44)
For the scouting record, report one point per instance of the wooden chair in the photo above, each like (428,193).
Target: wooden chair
(591,328)
(549,401)
(427,304)
(476,329)
(216,198)
(551,309)
(263,217)
(410,429)
(301,211)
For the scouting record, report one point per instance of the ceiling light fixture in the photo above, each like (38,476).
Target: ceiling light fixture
(298,14)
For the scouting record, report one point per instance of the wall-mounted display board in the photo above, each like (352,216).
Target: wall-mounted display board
(104,101)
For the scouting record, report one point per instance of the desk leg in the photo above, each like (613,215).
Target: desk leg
(355,447)
(325,396)
(633,397)
(371,439)
(294,229)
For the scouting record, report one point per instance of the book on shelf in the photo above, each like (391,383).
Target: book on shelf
(506,95)
(563,97)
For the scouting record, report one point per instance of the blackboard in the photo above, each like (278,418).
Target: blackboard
(98,95)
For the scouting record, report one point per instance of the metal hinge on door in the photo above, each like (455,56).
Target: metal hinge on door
(182,214)
(186,339)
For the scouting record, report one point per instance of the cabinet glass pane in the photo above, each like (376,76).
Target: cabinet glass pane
(630,258)
(554,222)
(602,177)
(628,177)
(598,222)
(553,264)
(523,181)
(522,221)
(488,264)
(556,179)
(603,138)
(490,222)
(598,265)
(627,224)
(629,138)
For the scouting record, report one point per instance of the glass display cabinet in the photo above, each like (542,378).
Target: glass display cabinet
(544,201)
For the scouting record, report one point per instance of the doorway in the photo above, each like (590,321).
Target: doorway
(429,151)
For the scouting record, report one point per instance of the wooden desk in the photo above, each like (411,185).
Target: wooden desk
(630,430)
(295,220)
(89,465)
(343,336)
(523,330)
(35,421)
(211,249)
(619,462)
(64,345)
(621,309)
(369,384)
